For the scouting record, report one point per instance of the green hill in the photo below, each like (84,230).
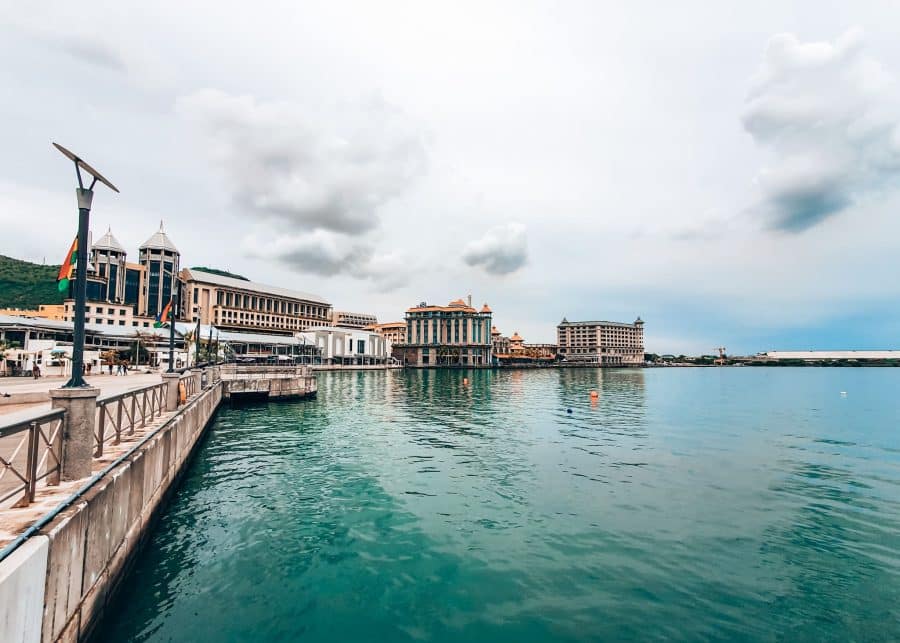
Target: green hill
(25,285)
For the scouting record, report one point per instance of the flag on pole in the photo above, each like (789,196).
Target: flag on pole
(67,269)
(163,317)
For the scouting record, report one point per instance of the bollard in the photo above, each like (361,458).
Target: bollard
(80,404)
(171,380)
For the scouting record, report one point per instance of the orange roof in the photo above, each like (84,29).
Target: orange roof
(516,337)
(486,308)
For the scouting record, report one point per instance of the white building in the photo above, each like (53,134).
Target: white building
(348,346)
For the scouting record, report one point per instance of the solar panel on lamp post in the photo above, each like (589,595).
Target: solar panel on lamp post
(85,197)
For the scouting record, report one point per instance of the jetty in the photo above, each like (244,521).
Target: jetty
(83,479)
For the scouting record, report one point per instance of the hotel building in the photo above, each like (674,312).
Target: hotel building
(238,304)
(393,332)
(453,335)
(603,343)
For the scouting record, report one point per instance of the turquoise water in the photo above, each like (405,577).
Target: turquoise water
(718,503)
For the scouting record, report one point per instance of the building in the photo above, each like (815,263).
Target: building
(108,263)
(230,303)
(513,351)
(453,335)
(830,356)
(343,319)
(161,260)
(393,332)
(44,311)
(348,346)
(603,343)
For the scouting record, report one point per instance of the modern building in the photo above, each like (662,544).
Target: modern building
(453,335)
(45,311)
(230,303)
(162,261)
(348,346)
(603,343)
(343,319)
(108,261)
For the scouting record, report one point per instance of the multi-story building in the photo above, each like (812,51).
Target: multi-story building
(348,346)
(453,335)
(343,319)
(108,262)
(161,259)
(603,343)
(239,304)
(393,332)
(513,351)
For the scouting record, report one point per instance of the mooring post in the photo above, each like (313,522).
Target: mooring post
(80,405)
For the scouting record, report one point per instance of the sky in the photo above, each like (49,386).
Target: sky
(727,171)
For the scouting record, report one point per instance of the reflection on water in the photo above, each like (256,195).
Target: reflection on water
(511,506)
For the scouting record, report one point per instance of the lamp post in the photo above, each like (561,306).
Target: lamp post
(172,337)
(85,197)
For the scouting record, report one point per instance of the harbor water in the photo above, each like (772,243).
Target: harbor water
(680,503)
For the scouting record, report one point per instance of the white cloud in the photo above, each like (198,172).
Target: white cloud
(309,171)
(828,114)
(502,250)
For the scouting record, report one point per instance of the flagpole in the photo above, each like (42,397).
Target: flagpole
(172,335)
(197,344)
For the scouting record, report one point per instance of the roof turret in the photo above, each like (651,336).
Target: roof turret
(108,242)
(159,241)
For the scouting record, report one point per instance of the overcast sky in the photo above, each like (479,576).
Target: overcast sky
(727,171)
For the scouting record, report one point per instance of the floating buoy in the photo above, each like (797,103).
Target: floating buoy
(465,381)
(594,395)
(568,410)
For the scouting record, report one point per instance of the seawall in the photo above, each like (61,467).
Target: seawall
(56,585)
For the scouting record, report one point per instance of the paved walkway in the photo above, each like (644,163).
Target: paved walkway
(108,385)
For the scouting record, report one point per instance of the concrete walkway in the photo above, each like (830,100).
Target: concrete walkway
(108,385)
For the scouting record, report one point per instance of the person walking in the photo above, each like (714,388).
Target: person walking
(36,371)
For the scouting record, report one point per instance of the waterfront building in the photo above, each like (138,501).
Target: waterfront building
(604,343)
(513,351)
(44,311)
(161,259)
(453,335)
(108,262)
(343,319)
(829,356)
(393,332)
(239,304)
(347,346)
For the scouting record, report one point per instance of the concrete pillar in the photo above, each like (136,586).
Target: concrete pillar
(171,380)
(197,374)
(78,430)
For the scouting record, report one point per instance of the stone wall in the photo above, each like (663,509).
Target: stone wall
(80,555)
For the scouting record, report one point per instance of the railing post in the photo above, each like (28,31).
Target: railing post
(171,382)
(80,405)
(56,451)
(197,374)
(101,430)
(30,467)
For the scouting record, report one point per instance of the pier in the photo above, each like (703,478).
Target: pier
(81,483)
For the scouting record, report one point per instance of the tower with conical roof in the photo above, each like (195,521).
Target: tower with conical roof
(108,261)
(162,261)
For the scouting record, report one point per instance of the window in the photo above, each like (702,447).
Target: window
(122,313)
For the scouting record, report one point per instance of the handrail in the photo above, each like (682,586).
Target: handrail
(124,411)
(28,459)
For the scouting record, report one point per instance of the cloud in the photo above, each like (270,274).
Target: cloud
(502,250)
(93,52)
(827,112)
(306,170)
(330,254)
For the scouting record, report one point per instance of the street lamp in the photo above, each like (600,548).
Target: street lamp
(85,196)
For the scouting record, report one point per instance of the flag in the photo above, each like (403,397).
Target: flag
(163,318)
(67,269)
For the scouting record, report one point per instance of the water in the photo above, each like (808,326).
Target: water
(729,504)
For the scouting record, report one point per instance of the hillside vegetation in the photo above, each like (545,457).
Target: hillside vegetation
(223,273)
(25,285)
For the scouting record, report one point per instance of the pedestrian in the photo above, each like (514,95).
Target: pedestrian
(109,364)
(36,371)
(125,367)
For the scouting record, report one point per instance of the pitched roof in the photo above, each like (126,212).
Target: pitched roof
(108,242)
(159,241)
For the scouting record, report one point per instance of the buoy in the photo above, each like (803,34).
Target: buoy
(568,410)
(465,381)
(594,395)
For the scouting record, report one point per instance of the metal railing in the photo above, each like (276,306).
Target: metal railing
(30,451)
(126,412)
(190,384)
